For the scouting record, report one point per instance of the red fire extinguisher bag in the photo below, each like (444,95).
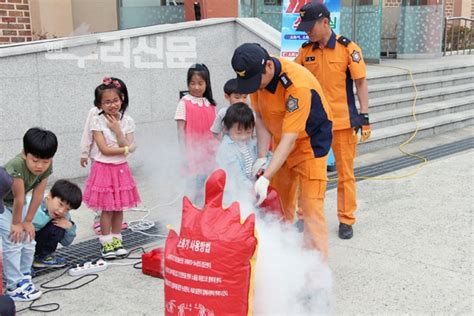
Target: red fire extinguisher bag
(209,266)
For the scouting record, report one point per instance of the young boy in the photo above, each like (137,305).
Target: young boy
(6,182)
(237,152)
(53,223)
(232,96)
(30,171)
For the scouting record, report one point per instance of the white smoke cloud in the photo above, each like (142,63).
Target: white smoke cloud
(289,280)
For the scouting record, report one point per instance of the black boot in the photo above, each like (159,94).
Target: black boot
(300,225)
(345,231)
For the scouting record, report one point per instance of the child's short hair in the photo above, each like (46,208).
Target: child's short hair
(115,84)
(40,143)
(230,86)
(239,113)
(68,192)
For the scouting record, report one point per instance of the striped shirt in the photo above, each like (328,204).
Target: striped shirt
(248,160)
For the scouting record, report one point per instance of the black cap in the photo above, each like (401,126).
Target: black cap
(310,13)
(249,62)
(6,183)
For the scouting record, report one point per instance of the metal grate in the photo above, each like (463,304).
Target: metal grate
(90,249)
(407,161)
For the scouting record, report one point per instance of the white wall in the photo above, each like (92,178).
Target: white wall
(36,90)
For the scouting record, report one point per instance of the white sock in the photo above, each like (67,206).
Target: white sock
(105,239)
(118,236)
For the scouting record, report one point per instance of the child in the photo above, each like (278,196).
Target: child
(6,182)
(30,171)
(110,187)
(53,223)
(195,114)
(88,147)
(238,152)
(232,96)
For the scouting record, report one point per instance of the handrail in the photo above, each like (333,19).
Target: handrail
(456,45)
(459,18)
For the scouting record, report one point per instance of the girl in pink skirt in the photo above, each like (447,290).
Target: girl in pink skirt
(195,115)
(110,187)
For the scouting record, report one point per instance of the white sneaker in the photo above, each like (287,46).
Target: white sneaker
(118,247)
(107,251)
(25,292)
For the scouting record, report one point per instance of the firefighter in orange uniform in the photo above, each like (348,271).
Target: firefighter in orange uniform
(337,62)
(291,108)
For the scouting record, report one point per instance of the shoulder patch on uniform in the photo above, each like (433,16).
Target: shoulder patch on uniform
(292,104)
(306,44)
(356,56)
(344,40)
(285,81)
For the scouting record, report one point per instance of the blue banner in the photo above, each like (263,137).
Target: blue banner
(291,39)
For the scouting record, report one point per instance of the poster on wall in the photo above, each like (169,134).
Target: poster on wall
(291,39)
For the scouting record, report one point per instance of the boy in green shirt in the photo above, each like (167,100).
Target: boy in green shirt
(30,171)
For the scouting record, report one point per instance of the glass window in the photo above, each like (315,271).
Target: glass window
(272,2)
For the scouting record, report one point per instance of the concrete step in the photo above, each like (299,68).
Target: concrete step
(397,101)
(392,88)
(403,115)
(403,75)
(397,134)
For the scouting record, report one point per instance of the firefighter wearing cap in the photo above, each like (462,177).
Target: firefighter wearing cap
(291,108)
(337,62)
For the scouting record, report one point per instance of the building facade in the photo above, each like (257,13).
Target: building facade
(384,28)
(15,21)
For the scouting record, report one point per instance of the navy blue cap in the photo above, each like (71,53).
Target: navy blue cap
(6,182)
(249,62)
(310,13)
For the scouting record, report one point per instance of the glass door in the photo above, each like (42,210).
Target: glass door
(139,13)
(420,31)
(269,11)
(361,21)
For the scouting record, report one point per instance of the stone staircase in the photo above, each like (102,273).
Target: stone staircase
(445,101)
(445,93)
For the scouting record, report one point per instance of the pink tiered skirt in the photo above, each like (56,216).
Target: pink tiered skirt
(110,187)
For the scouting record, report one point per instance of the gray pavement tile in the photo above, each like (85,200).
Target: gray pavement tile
(411,252)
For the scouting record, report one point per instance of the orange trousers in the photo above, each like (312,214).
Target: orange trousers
(308,180)
(344,146)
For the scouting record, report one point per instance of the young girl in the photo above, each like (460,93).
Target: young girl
(237,152)
(110,187)
(195,114)
(88,147)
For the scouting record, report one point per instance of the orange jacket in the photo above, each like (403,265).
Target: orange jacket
(293,102)
(336,66)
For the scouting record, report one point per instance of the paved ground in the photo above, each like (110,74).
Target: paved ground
(412,250)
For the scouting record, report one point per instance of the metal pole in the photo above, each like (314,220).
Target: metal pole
(470,36)
(118,3)
(452,37)
(254,8)
(459,37)
(445,35)
(464,37)
(354,20)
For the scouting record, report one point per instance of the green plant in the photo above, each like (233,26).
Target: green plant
(458,37)
(41,35)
